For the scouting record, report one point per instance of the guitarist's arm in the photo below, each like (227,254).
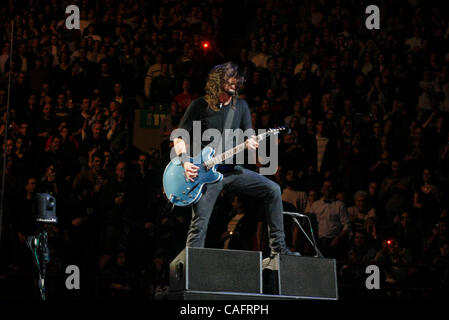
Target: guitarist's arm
(246,123)
(191,170)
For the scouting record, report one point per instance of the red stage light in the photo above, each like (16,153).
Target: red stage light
(205,44)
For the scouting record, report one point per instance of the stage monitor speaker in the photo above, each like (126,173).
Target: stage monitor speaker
(306,277)
(217,270)
(46,208)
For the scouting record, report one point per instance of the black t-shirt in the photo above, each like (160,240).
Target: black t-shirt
(210,119)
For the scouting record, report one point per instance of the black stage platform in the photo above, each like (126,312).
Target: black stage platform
(217,274)
(207,295)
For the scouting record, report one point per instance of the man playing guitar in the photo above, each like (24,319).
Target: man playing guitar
(212,109)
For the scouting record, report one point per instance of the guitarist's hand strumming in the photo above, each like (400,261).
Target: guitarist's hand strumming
(190,171)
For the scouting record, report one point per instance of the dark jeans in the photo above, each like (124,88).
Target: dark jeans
(247,182)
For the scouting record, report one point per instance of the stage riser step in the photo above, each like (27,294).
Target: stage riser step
(301,276)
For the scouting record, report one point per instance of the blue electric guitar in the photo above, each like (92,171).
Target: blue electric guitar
(181,191)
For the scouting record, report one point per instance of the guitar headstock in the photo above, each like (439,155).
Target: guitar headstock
(278,130)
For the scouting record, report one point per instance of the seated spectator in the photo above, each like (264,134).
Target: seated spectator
(245,63)
(380,160)
(115,200)
(93,175)
(80,224)
(353,165)
(153,71)
(118,278)
(260,60)
(159,276)
(371,230)
(13,182)
(292,152)
(110,113)
(61,111)
(24,132)
(162,87)
(68,146)
(49,182)
(394,262)
(108,164)
(440,266)
(185,97)
(291,192)
(361,254)
(321,154)
(426,201)
(297,111)
(95,138)
(53,155)
(408,235)
(237,233)
(312,196)
(372,196)
(118,134)
(45,125)
(118,94)
(333,222)
(394,192)
(433,242)
(19,155)
(360,212)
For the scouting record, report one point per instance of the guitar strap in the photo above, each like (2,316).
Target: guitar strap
(228,124)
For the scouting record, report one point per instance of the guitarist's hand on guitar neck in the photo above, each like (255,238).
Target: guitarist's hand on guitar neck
(252,143)
(190,171)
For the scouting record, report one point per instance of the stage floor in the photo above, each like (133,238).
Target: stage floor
(208,295)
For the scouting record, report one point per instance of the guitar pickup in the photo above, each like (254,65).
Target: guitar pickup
(191,189)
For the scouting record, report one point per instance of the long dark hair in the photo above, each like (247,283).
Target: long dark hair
(217,77)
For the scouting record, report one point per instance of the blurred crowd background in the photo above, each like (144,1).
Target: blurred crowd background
(368,110)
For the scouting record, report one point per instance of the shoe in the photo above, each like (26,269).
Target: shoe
(283,250)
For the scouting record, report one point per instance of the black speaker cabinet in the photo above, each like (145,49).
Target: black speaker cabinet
(46,208)
(217,270)
(305,277)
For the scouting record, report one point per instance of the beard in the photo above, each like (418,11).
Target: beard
(224,96)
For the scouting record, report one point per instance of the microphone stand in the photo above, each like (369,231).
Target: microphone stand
(294,216)
(8,101)
(38,245)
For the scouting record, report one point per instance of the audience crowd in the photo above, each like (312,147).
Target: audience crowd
(367,158)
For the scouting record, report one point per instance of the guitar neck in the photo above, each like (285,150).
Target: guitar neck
(231,152)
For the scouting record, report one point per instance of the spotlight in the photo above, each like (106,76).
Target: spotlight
(205,44)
